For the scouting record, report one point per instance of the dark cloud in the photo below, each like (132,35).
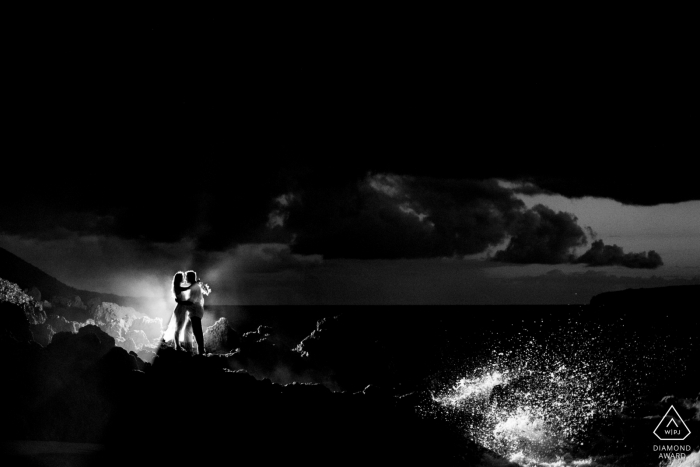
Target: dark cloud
(148,200)
(341,212)
(543,236)
(393,216)
(612,255)
(389,216)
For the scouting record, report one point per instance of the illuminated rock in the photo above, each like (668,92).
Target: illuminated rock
(151,327)
(221,337)
(138,337)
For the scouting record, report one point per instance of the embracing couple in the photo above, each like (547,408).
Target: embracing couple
(187,317)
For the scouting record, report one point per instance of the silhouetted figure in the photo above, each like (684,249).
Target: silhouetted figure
(195,306)
(179,317)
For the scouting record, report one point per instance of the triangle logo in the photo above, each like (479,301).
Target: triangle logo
(672,427)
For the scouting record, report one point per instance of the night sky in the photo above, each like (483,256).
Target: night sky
(398,162)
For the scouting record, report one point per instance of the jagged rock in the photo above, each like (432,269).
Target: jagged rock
(221,337)
(14,323)
(76,302)
(113,328)
(35,293)
(139,362)
(106,341)
(347,347)
(61,324)
(372,390)
(35,313)
(43,333)
(260,334)
(138,337)
(118,359)
(68,302)
(91,392)
(146,354)
(128,344)
(13,294)
(117,320)
(79,315)
(152,327)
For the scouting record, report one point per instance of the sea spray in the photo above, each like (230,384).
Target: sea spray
(536,401)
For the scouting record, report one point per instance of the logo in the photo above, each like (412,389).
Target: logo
(671,427)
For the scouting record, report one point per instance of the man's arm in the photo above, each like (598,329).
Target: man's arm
(184,302)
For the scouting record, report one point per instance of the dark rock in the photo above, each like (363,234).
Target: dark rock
(147,355)
(118,360)
(221,337)
(375,391)
(12,294)
(78,315)
(60,301)
(35,313)
(106,341)
(657,296)
(43,333)
(35,293)
(89,394)
(139,362)
(61,324)
(14,323)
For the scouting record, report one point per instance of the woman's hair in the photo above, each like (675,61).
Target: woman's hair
(177,279)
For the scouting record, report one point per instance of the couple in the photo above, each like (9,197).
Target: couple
(187,317)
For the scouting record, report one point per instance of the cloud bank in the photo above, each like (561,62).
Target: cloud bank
(387,216)
(612,255)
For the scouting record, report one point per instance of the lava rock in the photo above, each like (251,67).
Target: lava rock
(221,337)
(14,322)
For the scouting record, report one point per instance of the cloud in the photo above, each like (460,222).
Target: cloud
(612,255)
(542,235)
(160,203)
(345,213)
(391,216)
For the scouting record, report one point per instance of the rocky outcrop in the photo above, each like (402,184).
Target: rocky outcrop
(347,348)
(130,328)
(137,340)
(35,313)
(13,323)
(68,313)
(43,333)
(680,295)
(151,327)
(221,337)
(82,388)
(74,301)
(277,424)
(13,294)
